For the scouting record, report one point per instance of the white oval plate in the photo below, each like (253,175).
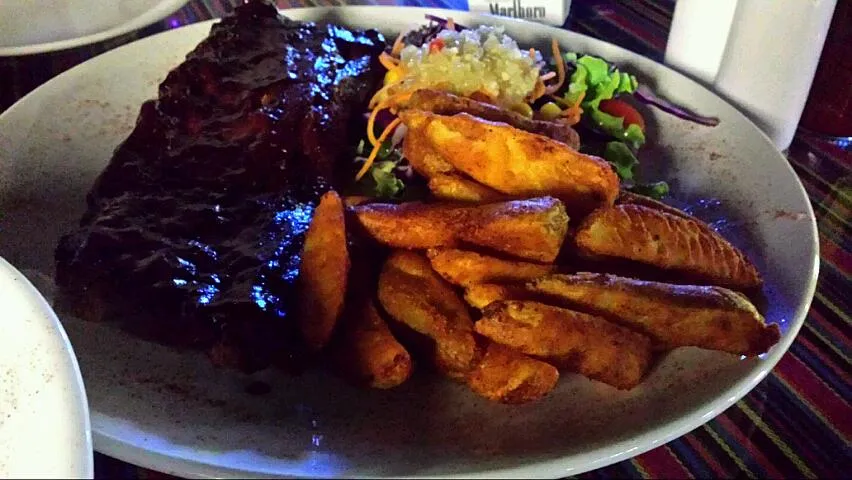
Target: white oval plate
(173,412)
(44,417)
(29,26)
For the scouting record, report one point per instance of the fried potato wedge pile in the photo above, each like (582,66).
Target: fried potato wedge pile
(485,280)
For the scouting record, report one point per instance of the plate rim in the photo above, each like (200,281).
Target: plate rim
(556,467)
(161,10)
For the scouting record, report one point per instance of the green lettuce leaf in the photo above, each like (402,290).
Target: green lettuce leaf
(634,135)
(597,67)
(577,85)
(621,158)
(381,180)
(601,81)
(656,190)
(614,126)
(385,150)
(387,185)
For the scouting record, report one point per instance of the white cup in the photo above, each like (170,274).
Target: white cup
(770,53)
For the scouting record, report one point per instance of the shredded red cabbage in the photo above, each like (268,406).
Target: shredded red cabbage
(443,22)
(645,95)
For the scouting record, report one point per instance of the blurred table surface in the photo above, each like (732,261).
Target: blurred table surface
(797,423)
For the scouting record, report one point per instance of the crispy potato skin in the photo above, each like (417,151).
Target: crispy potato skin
(667,241)
(464,267)
(516,162)
(413,294)
(586,344)
(423,158)
(412,225)
(629,198)
(484,294)
(324,272)
(454,187)
(368,353)
(508,376)
(444,103)
(532,229)
(673,315)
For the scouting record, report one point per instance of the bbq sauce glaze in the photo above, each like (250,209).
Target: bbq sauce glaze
(193,231)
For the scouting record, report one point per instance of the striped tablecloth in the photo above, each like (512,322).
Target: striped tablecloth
(797,423)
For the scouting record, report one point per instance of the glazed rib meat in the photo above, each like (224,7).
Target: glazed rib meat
(193,230)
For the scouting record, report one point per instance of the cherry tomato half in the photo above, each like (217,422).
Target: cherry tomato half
(436,45)
(620,108)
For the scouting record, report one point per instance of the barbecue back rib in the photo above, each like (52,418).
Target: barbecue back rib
(193,231)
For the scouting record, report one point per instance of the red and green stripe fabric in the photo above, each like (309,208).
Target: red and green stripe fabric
(797,423)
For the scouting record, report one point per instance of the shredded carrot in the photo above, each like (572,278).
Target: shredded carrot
(398,99)
(385,134)
(538,90)
(388,61)
(397,44)
(560,67)
(377,97)
(573,119)
(392,103)
(579,100)
(451,24)
(371,123)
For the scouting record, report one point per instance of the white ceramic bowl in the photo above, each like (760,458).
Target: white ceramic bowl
(173,412)
(28,27)
(44,417)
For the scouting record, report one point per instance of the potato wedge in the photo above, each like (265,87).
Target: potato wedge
(423,158)
(629,198)
(532,229)
(445,103)
(454,187)
(508,376)
(516,162)
(324,272)
(412,225)
(672,315)
(413,294)
(368,354)
(464,267)
(671,242)
(586,344)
